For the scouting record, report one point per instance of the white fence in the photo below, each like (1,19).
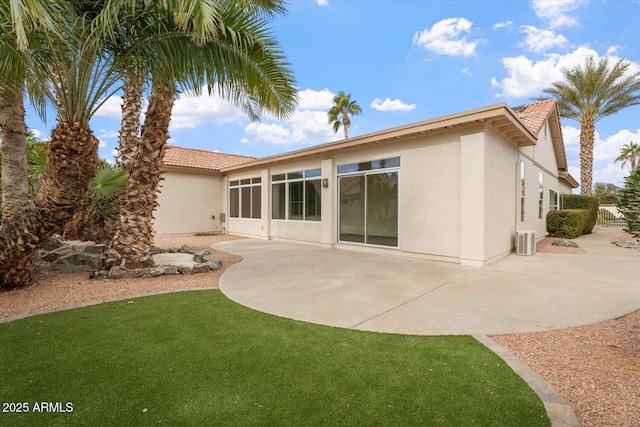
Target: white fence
(610,216)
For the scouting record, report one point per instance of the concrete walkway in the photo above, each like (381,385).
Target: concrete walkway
(390,293)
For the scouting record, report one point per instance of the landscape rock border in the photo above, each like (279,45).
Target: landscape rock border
(74,256)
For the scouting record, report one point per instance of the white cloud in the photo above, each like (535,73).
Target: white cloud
(322,2)
(556,12)
(505,24)
(467,72)
(539,40)
(391,105)
(37,133)
(310,99)
(190,111)
(111,108)
(528,78)
(613,50)
(447,37)
(307,125)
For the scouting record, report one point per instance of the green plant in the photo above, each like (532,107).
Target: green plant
(568,223)
(588,203)
(629,203)
(606,193)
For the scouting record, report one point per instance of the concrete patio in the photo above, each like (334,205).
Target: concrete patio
(390,293)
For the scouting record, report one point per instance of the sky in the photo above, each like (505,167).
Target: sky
(405,61)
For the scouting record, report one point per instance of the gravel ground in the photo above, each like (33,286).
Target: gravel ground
(596,368)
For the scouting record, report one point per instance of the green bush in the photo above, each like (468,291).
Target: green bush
(629,203)
(567,223)
(588,203)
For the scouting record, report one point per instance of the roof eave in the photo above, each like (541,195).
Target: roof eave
(498,116)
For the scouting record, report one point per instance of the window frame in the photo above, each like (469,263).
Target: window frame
(296,183)
(246,190)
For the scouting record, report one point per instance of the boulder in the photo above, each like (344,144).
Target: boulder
(565,243)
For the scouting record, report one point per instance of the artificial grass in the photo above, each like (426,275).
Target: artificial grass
(196,358)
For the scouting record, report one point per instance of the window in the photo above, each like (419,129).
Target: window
(541,197)
(245,198)
(553,200)
(522,187)
(296,195)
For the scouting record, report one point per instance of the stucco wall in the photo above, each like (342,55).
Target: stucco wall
(187,201)
(500,205)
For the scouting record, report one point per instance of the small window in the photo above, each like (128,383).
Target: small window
(541,196)
(392,162)
(296,195)
(245,198)
(553,200)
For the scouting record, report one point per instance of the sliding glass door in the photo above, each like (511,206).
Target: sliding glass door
(369,208)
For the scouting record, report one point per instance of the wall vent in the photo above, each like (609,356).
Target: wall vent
(526,242)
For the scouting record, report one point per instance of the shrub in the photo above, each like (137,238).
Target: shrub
(568,223)
(588,203)
(629,203)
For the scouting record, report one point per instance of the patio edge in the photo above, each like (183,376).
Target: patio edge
(559,411)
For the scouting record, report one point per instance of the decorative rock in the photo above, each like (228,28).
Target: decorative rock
(183,269)
(76,263)
(214,264)
(565,243)
(629,244)
(119,273)
(148,272)
(170,269)
(202,267)
(185,249)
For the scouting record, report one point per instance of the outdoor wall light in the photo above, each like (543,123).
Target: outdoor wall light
(325,182)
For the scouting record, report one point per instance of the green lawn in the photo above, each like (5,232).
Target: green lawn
(198,359)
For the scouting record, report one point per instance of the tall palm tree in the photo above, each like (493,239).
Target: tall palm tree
(76,77)
(236,56)
(342,108)
(590,92)
(630,153)
(18,23)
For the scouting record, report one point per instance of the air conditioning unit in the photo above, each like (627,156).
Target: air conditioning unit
(526,242)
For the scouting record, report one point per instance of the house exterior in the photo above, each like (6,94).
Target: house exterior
(456,188)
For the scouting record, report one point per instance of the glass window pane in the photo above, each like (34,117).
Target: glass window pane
(234,203)
(278,201)
(256,201)
(279,177)
(352,209)
(245,203)
(382,209)
(312,200)
(245,181)
(352,167)
(294,175)
(234,183)
(296,200)
(256,180)
(312,173)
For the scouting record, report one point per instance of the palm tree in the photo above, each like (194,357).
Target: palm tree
(590,92)
(342,108)
(630,153)
(18,23)
(75,76)
(240,60)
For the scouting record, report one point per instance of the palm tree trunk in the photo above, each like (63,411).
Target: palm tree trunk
(587,137)
(345,125)
(15,182)
(72,156)
(132,243)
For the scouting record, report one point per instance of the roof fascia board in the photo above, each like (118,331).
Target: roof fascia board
(479,115)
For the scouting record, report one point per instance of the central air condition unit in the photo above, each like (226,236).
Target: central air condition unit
(526,242)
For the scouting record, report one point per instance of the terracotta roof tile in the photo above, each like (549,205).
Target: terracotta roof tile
(534,115)
(201,159)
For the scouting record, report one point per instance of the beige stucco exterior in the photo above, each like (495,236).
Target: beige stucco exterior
(187,202)
(458,186)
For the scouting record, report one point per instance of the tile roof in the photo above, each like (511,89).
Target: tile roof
(201,159)
(534,115)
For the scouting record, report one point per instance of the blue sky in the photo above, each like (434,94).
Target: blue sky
(405,61)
